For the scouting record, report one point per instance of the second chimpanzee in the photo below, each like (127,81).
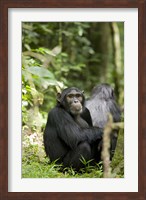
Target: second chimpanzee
(68,134)
(101,103)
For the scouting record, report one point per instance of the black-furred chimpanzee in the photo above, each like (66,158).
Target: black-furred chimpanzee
(69,134)
(101,103)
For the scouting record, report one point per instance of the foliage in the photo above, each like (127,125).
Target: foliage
(57,55)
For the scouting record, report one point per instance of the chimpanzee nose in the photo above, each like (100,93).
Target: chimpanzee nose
(75,101)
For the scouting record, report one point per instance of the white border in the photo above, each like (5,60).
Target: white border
(130,182)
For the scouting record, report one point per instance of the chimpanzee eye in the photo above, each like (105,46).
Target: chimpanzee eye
(78,95)
(70,95)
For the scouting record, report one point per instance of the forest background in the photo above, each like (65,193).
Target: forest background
(56,55)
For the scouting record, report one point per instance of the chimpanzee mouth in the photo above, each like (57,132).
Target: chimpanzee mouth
(76,110)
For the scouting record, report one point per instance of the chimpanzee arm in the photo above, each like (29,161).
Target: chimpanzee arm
(92,133)
(69,131)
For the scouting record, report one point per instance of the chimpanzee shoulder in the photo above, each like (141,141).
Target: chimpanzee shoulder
(58,115)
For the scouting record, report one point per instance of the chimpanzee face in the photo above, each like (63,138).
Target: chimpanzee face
(74,100)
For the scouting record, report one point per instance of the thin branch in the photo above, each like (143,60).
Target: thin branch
(106,145)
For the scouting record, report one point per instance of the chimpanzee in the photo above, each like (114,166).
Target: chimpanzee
(101,103)
(69,134)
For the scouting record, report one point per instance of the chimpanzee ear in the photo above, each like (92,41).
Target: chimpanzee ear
(59,96)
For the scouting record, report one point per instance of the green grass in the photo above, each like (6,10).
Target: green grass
(51,170)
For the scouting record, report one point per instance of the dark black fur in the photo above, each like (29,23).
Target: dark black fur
(101,103)
(67,138)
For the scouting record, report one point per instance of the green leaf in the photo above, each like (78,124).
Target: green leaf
(46,51)
(56,50)
(45,83)
(41,72)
